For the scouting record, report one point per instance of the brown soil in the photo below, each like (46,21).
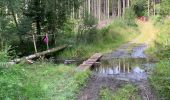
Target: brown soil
(97,82)
(92,90)
(146,92)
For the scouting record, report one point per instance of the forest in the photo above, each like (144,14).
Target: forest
(84,50)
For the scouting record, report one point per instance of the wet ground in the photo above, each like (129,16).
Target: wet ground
(127,64)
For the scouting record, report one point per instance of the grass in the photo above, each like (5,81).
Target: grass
(41,81)
(160,79)
(104,40)
(148,33)
(128,92)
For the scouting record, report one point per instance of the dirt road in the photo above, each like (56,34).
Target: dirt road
(134,49)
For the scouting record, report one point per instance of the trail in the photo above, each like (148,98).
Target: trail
(134,49)
(148,33)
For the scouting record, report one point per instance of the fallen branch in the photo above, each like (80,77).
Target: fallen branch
(36,55)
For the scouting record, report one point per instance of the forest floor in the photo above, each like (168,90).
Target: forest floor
(101,81)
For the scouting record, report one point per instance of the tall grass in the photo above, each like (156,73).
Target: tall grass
(41,81)
(104,40)
(161,74)
(161,79)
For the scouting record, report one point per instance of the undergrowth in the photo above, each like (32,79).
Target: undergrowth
(41,81)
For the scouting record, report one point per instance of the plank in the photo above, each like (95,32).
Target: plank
(89,62)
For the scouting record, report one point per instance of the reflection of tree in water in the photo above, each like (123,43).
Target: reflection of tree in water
(118,65)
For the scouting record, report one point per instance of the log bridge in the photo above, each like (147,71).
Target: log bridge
(89,62)
(30,57)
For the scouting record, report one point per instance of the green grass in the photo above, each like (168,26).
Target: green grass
(41,81)
(128,92)
(160,79)
(104,40)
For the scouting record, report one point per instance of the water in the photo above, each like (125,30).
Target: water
(123,68)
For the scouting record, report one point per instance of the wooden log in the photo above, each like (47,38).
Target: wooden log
(89,63)
(39,54)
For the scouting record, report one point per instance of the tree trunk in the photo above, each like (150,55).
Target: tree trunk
(34,41)
(113,10)
(38,27)
(119,8)
(99,9)
(16,23)
(124,6)
(128,3)
(39,54)
(148,8)
(104,8)
(89,7)
(95,8)
(108,10)
(154,10)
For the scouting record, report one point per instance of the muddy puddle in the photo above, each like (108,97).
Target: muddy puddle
(127,65)
(128,69)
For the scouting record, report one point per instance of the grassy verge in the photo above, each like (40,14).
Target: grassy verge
(160,78)
(128,92)
(104,40)
(41,81)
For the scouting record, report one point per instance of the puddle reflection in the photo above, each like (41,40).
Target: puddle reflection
(123,65)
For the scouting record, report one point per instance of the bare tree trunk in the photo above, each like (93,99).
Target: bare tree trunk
(108,10)
(148,8)
(124,6)
(96,13)
(38,27)
(79,12)
(89,6)
(99,9)
(16,22)
(34,41)
(119,8)
(95,8)
(113,8)
(73,12)
(104,8)
(154,10)
(128,3)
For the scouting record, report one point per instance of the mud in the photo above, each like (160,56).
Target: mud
(96,83)
(127,64)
